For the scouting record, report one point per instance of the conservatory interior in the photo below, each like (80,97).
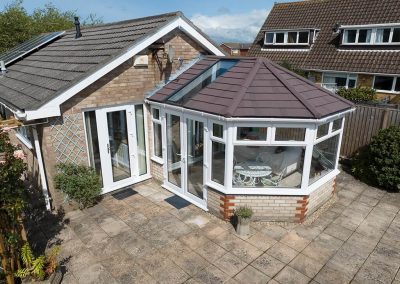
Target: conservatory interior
(245,127)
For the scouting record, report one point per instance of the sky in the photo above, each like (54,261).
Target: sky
(222,20)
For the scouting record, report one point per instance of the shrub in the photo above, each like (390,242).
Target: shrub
(358,94)
(379,163)
(79,183)
(244,212)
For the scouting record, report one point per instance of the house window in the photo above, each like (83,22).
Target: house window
(140,139)
(337,124)
(323,130)
(332,81)
(157,134)
(372,35)
(287,37)
(290,134)
(23,134)
(235,51)
(218,154)
(252,133)
(387,83)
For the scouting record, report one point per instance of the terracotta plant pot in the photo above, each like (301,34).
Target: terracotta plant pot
(243,226)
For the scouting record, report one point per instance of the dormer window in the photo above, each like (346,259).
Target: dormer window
(371,35)
(290,37)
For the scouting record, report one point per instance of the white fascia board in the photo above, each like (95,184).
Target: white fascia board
(52,108)
(369,26)
(184,25)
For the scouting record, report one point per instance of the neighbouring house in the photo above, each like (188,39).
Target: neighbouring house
(80,95)
(340,43)
(236,48)
(233,131)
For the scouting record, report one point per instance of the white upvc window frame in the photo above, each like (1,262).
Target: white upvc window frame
(392,90)
(159,160)
(22,134)
(373,35)
(285,39)
(348,76)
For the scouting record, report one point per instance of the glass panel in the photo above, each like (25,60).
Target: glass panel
(352,83)
(383,83)
(195,157)
(396,35)
(323,158)
(174,149)
(279,37)
(118,143)
(292,37)
(156,113)
(323,130)
(337,124)
(290,134)
(218,130)
(218,163)
(93,142)
(350,36)
(397,86)
(341,81)
(269,37)
(382,35)
(252,133)
(364,36)
(268,166)
(141,141)
(202,81)
(303,37)
(157,140)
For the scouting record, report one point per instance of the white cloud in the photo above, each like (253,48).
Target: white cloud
(227,27)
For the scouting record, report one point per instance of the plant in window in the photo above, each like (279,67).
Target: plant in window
(79,183)
(379,162)
(358,94)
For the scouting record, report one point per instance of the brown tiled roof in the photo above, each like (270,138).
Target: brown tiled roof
(255,87)
(325,54)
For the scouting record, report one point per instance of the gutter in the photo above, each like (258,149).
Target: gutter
(248,119)
(20,115)
(41,169)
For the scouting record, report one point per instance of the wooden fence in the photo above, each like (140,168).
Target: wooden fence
(365,122)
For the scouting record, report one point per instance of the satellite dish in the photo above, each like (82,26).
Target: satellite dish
(171,54)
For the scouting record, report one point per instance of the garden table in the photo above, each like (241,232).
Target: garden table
(248,173)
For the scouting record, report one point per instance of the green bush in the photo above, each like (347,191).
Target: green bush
(379,162)
(79,183)
(244,212)
(358,94)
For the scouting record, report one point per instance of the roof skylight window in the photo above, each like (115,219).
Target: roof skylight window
(203,80)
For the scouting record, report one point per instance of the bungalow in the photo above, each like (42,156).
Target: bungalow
(135,101)
(80,95)
(340,43)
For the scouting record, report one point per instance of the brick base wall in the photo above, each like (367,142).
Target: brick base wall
(277,208)
(156,171)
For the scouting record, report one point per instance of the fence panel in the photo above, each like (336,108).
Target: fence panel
(364,123)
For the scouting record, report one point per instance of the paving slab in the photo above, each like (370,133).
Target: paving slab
(251,275)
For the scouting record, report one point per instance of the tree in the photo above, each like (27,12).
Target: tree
(17,25)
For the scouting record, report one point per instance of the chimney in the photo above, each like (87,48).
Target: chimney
(3,69)
(78,28)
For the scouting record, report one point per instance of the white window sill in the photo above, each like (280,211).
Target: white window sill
(24,141)
(158,160)
(387,92)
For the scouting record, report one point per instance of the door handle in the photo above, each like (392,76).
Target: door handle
(108,148)
(178,154)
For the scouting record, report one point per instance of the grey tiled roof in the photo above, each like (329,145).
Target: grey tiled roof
(326,54)
(254,87)
(42,75)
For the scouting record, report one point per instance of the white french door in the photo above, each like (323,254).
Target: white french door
(184,160)
(116,144)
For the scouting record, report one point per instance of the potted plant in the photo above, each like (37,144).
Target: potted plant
(43,269)
(243,214)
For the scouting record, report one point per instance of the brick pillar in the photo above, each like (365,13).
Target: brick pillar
(301,210)
(227,206)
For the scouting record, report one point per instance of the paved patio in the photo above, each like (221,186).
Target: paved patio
(149,235)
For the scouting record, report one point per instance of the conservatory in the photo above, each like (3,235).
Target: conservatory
(230,132)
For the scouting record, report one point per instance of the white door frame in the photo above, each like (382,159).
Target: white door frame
(183,190)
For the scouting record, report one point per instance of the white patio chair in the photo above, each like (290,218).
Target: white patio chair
(272,180)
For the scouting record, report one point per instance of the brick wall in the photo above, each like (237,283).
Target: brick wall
(271,208)
(125,84)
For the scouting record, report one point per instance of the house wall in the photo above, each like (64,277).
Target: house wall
(63,138)
(278,208)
